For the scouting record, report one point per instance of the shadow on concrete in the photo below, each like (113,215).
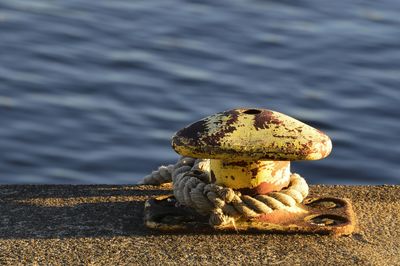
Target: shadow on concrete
(65,211)
(58,211)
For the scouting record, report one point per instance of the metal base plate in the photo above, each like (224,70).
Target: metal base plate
(326,215)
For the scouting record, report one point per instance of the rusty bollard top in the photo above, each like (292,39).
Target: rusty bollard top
(251,134)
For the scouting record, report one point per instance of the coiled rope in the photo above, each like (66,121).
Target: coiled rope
(192,187)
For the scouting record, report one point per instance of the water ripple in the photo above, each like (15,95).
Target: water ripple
(91,92)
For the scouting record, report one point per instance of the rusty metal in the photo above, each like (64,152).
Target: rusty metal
(251,134)
(259,176)
(249,151)
(329,215)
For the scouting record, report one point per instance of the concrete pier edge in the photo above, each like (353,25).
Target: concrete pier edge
(103,224)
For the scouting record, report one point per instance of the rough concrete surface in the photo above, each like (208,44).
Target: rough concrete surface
(103,224)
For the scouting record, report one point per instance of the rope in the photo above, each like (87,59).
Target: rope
(192,188)
(160,176)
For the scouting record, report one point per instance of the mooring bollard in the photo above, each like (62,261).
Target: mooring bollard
(236,173)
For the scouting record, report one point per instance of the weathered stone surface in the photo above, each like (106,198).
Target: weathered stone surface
(102,224)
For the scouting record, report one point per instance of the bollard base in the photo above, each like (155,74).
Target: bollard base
(327,215)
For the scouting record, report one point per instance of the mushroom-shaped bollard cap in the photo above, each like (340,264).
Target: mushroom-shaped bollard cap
(250,135)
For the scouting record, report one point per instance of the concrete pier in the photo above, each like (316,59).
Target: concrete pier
(103,224)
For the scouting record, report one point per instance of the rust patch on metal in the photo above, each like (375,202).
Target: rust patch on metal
(263,188)
(163,214)
(197,134)
(284,136)
(239,163)
(254,172)
(193,131)
(215,138)
(306,148)
(264,119)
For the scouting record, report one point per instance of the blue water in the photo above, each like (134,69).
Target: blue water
(92,91)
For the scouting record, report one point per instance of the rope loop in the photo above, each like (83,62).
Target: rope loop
(192,188)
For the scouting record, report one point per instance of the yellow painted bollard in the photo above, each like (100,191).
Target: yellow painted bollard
(247,154)
(250,149)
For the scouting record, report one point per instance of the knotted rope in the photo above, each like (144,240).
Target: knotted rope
(192,188)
